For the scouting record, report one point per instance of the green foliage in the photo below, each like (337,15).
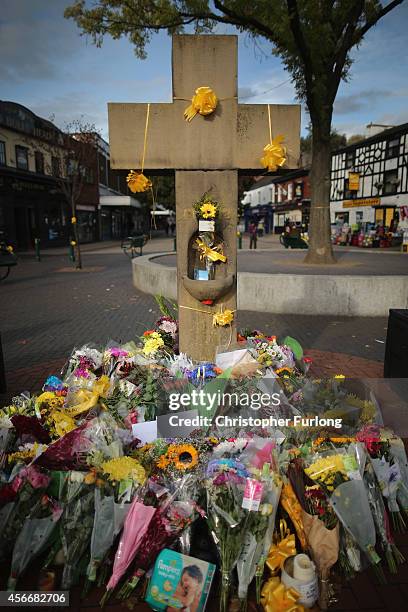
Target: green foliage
(337,141)
(312,37)
(167,308)
(294,345)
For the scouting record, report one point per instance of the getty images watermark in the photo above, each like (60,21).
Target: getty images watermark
(255,401)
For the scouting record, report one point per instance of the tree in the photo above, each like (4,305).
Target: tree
(313,38)
(354,138)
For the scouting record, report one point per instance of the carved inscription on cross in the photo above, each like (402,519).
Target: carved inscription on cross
(205,154)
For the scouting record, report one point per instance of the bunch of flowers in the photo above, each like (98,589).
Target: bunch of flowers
(206,207)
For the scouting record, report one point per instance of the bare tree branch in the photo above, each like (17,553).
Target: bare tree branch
(371,22)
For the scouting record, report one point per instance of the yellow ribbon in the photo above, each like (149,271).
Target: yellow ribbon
(204,102)
(275,597)
(274,153)
(137,181)
(223,318)
(207,252)
(292,506)
(87,399)
(280,551)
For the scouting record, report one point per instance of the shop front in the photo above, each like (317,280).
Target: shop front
(32,207)
(297,214)
(120,216)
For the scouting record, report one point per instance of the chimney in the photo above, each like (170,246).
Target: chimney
(376,128)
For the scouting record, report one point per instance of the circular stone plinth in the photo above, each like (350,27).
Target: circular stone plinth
(361,284)
(288,261)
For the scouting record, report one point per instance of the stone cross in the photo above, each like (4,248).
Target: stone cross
(206,154)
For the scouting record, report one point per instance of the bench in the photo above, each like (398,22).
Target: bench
(132,243)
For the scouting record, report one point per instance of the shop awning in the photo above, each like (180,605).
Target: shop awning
(111,200)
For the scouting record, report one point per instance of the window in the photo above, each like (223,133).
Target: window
(39,162)
(87,174)
(390,182)
(348,195)
(22,157)
(55,166)
(392,149)
(350,159)
(290,191)
(2,153)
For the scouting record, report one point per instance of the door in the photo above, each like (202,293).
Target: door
(22,222)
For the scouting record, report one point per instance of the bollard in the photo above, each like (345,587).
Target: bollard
(175,244)
(37,249)
(71,250)
(239,240)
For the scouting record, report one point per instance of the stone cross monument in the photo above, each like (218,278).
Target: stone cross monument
(206,154)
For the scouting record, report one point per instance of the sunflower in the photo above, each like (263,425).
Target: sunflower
(163,462)
(183,456)
(208,210)
(285,371)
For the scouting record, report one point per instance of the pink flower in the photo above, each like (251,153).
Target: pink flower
(36,479)
(117,352)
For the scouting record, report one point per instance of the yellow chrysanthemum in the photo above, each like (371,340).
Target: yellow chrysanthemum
(63,423)
(208,210)
(152,343)
(122,468)
(175,452)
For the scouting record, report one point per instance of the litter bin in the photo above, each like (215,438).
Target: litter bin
(396,348)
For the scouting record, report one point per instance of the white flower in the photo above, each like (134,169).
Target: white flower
(179,363)
(265,509)
(5,423)
(170,327)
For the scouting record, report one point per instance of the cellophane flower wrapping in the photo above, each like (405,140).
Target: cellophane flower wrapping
(136,524)
(29,485)
(34,536)
(260,459)
(174,514)
(76,529)
(398,453)
(108,522)
(226,483)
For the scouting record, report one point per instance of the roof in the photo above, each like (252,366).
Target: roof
(20,118)
(384,135)
(270,179)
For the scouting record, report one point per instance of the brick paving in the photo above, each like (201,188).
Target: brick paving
(45,312)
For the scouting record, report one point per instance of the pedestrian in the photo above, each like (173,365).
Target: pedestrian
(261,228)
(253,232)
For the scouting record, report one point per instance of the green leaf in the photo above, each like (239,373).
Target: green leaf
(295,346)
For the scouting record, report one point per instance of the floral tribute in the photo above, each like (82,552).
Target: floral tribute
(81,486)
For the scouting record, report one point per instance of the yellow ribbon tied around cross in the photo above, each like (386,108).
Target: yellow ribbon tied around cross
(204,102)
(206,252)
(275,597)
(274,152)
(223,318)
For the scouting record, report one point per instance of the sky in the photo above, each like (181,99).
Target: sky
(47,66)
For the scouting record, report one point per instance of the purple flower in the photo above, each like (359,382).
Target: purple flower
(117,352)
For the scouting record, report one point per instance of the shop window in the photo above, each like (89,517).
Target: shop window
(390,182)
(290,191)
(39,162)
(299,190)
(2,153)
(350,159)
(22,157)
(392,149)
(55,166)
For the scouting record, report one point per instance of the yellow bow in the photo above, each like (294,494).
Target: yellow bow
(204,102)
(275,597)
(223,318)
(138,182)
(274,154)
(281,551)
(292,506)
(88,399)
(207,252)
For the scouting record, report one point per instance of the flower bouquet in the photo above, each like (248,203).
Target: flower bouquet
(108,522)
(173,515)
(230,492)
(135,526)
(339,476)
(34,536)
(320,525)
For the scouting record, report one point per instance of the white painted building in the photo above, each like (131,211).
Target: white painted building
(369,179)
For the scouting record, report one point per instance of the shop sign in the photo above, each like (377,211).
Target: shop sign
(353,181)
(361,202)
